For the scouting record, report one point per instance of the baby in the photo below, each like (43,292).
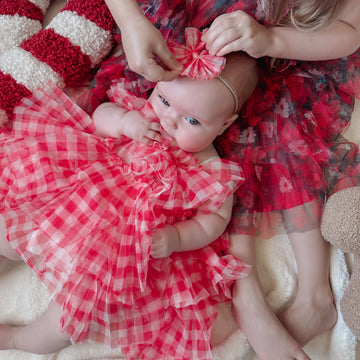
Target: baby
(88,204)
(190,113)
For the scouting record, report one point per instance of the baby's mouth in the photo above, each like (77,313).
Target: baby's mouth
(167,138)
(164,132)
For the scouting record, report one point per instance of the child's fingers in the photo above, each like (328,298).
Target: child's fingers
(228,39)
(169,75)
(229,47)
(218,26)
(154,72)
(168,58)
(226,29)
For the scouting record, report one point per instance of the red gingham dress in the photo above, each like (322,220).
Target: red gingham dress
(79,209)
(289,134)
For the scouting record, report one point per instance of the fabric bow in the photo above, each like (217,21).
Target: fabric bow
(197,62)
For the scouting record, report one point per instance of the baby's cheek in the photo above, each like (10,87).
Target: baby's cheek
(190,144)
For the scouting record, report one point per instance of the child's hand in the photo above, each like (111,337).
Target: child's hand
(237,31)
(143,43)
(164,241)
(137,128)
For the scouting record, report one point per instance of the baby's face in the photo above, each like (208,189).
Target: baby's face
(192,112)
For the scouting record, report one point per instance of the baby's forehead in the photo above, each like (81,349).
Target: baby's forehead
(191,86)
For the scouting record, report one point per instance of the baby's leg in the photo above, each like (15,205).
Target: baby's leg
(254,316)
(313,310)
(43,336)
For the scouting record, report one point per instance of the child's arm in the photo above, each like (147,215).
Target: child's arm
(111,120)
(192,234)
(239,31)
(143,42)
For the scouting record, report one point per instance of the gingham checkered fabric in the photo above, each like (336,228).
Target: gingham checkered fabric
(79,209)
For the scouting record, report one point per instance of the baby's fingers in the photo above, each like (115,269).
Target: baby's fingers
(148,133)
(157,250)
(153,133)
(154,250)
(153,136)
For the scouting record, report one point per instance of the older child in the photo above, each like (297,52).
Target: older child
(287,148)
(87,205)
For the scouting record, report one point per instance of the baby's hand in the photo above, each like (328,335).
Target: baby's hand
(164,241)
(237,31)
(137,128)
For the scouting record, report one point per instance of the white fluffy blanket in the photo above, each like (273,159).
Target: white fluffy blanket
(23,298)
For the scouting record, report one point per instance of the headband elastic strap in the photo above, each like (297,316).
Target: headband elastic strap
(231,88)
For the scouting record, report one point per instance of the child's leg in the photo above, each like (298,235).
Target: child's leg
(313,310)
(43,336)
(254,316)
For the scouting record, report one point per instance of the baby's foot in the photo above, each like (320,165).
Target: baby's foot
(305,319)
(6,337)
(4,264)
(265,333)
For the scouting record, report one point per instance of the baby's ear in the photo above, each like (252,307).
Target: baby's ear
(228,122)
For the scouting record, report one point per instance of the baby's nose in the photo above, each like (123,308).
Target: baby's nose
(172,120)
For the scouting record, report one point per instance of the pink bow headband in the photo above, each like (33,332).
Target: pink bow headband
(198,63)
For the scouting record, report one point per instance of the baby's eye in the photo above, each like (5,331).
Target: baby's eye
(164,101)
(192,120)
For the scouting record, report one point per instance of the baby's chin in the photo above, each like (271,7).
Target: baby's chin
(172,142)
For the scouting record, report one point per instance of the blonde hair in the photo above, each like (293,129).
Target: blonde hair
(303,14)
(240,75)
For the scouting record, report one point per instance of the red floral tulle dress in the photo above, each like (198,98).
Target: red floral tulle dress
(288,137)
(80,209)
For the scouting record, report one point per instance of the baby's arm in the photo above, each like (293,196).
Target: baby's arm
(143,42)
(191,234)
(239,31)
(111,120)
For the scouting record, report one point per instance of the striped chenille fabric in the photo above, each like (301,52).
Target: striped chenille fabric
(75,41)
